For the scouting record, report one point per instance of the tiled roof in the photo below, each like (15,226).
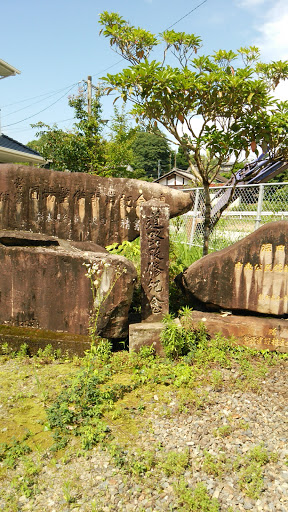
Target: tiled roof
(8,143)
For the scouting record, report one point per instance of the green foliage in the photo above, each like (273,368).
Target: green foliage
(175,463)
(230,92)
(130,250)
(250,470)
(148,148)
(182,161)
(177,340)
(11,453)
(214,465)
(119,153)
(79,407)
(82,149)
(197,500)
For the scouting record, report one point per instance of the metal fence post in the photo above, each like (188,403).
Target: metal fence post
(259,206)
(195,211)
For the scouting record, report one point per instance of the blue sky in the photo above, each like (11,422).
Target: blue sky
(56,44)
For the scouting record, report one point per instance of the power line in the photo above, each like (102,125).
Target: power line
(185,15)
(31,104)
(40,111)
(51,93)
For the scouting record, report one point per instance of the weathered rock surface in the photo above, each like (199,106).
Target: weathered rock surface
(43,284)
(251,275)
(78,206)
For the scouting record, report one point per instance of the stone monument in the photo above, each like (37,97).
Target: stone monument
(154,237)
(250,275)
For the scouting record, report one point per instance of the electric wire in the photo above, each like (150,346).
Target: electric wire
(185,15)
(73,85)
(40,111)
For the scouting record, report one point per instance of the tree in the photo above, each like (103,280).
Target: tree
(81,150)
(119,148)
(182,161)
(229,92)
(150,150)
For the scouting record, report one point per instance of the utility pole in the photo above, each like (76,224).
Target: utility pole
(89,95)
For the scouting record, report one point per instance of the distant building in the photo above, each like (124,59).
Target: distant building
(12,151)
(176,178)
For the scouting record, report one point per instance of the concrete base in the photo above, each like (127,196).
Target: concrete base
(145,334)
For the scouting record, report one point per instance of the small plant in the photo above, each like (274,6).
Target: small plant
(251,479)
(223,431)
(250,470)
(11,453)
(23,351)
(214,465)
(68,492)
(216,380)
(175,463)
(197,500)
(101,351)
(179,341)
(102,284)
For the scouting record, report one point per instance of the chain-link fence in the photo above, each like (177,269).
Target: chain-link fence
(251,206)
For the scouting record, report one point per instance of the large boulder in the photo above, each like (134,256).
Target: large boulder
(43,284)
(79,206)
(251,275)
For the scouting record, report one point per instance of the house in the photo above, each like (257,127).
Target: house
(178,179)
(12,151)
(7,70)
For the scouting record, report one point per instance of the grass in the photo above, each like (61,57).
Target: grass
(57,409)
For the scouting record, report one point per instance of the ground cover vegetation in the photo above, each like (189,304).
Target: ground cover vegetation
(229,92)
(66,421)
(60,410)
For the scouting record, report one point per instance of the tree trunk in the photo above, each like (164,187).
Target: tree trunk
(207,219)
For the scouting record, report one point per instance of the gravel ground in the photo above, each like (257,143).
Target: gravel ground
(228,426)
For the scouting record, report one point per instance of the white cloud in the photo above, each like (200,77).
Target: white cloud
(273,37)
(250,3)
(271,33)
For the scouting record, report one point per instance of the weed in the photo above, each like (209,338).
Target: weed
(216,380)
(48,354)
(178,341)
(101,284)
(69,492)
(223,431)
(250,470)
(23,351)
(79,407)
(27,483)
(197,500)
(101,351)
(10,454)
(251,479)
(175,463)
(214,465)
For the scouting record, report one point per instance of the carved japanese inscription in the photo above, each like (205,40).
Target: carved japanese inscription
(78,206)
(154,232)
(251,275)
